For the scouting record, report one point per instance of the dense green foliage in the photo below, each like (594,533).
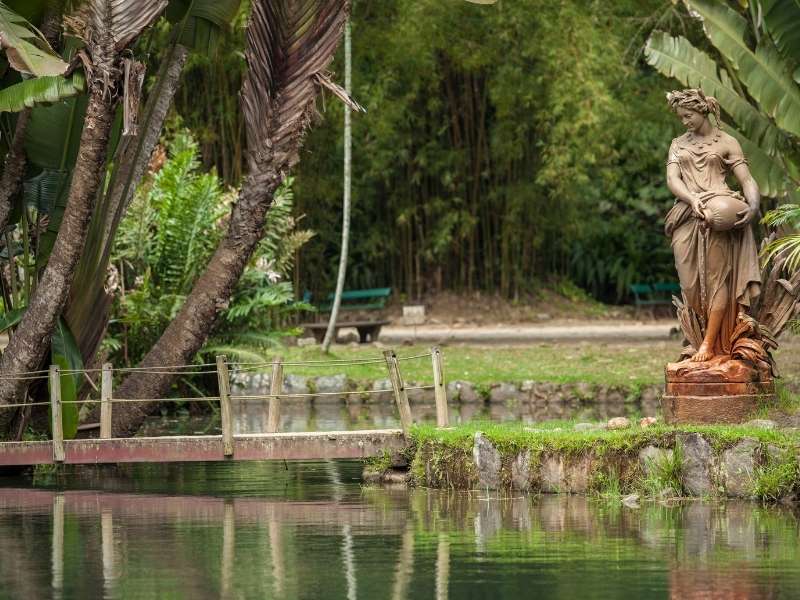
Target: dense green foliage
(502,146)
(166,239)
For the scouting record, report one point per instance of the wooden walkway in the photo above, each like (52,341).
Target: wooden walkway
(259,446)
(272,445)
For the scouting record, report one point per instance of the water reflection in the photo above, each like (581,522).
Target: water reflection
(250,416)
(309,531)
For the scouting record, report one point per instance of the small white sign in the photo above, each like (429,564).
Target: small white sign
(414,314)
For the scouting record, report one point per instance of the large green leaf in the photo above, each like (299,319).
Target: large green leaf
(64,353)
(676,57)
(765,73)
(782,22)
(50,88)
(26,48)
(767,170)
(52,141)
(53,135)
(200,21)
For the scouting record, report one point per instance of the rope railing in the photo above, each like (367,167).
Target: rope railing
(192,369)
(392,362)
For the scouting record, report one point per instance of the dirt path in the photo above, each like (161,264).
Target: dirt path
(520,334)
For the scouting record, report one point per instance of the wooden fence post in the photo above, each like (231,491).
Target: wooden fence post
(275,388)
(399,388)
(439,390)
(55,414)
(225,405)
(106,383)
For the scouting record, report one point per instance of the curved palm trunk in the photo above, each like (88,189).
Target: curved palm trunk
(330,334)
(188,332)
(30,341)
(289,46)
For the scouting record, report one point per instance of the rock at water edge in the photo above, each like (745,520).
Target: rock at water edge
(487,462)
(738,468)
(651,457)
(521,471)
(696,468)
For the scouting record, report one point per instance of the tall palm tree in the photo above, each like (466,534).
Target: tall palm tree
(107,28)
(290,45)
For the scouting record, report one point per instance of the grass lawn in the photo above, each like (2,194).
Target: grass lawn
(560,436)
(630,364)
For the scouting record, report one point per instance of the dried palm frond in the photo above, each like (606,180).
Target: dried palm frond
(289,47)
(121,20)
(108,27)
(324,79)
(691,326)
(780,295)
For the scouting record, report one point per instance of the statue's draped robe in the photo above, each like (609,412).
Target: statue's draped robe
(710,261)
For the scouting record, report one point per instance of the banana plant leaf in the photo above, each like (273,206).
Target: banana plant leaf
(765,73)
(54,133)
(677,57)
(782,21)
(30,92)
(26,49)
(768,171)
(52,142)
(64,353)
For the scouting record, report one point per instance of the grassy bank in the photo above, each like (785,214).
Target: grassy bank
(739,460)
(606,363)
(631,364)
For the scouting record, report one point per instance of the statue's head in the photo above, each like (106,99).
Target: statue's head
(693,107)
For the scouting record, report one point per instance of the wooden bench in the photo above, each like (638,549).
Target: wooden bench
(363,300)
(368,331)
(650,296)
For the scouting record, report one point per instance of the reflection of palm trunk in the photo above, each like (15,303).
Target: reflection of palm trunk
(276,555)
(57,556)
(348,557)
(107,541)
(405,563)
(228,551)
(442,567)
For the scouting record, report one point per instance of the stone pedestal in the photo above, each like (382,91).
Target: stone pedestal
(722,390)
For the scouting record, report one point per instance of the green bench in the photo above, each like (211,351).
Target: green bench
(651,296)
(373,299)
(364,300)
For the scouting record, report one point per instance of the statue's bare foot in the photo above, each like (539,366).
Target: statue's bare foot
(703,353)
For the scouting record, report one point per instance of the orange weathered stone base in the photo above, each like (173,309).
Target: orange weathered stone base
(721,390)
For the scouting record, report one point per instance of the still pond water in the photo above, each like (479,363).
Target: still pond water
(309,530)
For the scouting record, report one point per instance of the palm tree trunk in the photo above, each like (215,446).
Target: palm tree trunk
(190,329)
(31,339)
(14,167)
(89,307)
(330,333)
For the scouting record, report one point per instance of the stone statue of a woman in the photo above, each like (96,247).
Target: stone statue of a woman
(709,226)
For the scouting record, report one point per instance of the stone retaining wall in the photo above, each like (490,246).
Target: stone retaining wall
(536,395)
(702,467)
